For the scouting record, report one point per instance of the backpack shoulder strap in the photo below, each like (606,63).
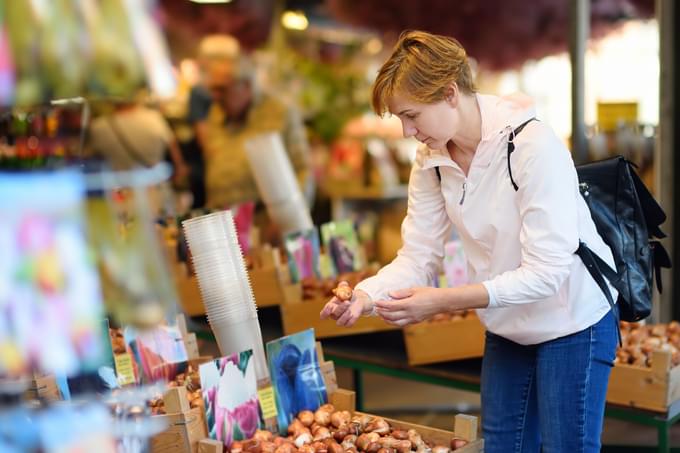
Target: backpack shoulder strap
(511,148)
(598,270)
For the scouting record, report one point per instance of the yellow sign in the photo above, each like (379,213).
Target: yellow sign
(610,114)
(124,369)
(267,402)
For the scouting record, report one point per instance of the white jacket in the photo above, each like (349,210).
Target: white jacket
(520,245)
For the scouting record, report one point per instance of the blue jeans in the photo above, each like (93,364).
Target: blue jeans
(548,397)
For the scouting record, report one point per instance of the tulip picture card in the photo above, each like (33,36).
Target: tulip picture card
(50,294)
(455,264)
(232,408)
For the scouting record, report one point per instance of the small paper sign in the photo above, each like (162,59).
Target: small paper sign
(267,402)
(124,369)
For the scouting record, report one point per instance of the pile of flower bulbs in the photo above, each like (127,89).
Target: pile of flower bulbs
(313,288)
(331,431)
(191,380)
(640,340)
(449,317)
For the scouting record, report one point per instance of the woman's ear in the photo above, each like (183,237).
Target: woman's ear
(451,94)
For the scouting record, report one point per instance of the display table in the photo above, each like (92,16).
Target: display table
(363,355)
(384,353)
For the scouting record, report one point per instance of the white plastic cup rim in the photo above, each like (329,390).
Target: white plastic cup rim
(208,217)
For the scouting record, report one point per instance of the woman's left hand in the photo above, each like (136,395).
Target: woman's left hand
(411,305)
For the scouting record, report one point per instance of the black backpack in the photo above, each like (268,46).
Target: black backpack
(627,218)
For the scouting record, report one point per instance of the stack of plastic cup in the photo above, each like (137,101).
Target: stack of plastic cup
(277,184)
(225,286)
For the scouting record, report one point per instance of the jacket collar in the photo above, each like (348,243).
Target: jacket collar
(500,115)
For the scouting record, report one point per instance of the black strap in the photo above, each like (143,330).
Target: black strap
(661,259)
(511,148)
(598,269)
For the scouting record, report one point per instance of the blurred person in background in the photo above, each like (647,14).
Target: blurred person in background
(240,110)
(212,48)
(134,135)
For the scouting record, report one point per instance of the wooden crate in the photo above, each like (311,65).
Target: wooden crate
(188,292)
(266,279)
(43,388)
(185,428)
(465,426)
(432,342)
(654,388)
(268,289)
(297,316)
(210,446)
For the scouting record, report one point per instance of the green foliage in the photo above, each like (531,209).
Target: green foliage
(332,95)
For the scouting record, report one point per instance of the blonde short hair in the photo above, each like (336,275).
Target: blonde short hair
(240,69)
(422,66)
(219,47)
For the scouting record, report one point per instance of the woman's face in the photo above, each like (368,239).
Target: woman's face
(431,124)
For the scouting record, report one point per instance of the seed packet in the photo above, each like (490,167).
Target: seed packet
(455,264)
(302,249)
(230,398)
(50,295)
(366,224)
(243,221)
(341,244)
(296,376)
(160,352)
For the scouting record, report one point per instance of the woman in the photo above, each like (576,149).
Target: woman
(551,336)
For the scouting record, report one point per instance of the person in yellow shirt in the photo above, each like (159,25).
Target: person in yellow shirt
(239,111)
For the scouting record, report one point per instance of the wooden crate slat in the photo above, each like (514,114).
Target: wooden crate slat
(432,342)
(654,388)
(303,315)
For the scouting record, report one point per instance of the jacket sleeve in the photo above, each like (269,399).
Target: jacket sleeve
(423,232)
(547,201)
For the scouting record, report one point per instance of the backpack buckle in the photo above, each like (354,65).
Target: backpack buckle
(511,134)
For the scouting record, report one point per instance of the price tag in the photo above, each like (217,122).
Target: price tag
(609,114)
(267,402)
(124,369)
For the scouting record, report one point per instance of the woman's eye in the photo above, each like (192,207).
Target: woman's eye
(411,116)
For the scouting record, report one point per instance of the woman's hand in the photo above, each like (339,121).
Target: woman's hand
(346,313)
(412,305)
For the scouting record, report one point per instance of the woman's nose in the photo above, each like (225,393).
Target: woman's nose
(408,130)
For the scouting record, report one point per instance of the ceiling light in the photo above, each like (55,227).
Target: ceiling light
(211,1)
(294,20)
(373,46)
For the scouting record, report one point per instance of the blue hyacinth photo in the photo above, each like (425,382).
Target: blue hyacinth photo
(296,376)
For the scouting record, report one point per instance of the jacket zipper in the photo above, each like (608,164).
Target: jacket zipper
(462,198)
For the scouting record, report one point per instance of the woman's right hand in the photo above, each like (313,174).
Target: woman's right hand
(346,313)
